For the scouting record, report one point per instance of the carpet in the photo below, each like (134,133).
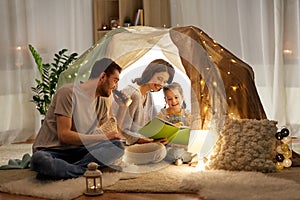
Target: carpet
(156,178)
(13,151)
(213,184)
(226,185)
(62,189)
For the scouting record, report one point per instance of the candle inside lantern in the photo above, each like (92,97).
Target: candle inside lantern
(93,180)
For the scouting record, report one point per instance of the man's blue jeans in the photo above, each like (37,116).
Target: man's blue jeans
(72,163)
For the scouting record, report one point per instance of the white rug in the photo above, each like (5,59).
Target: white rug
(63,189)
(226,185)
(211,185)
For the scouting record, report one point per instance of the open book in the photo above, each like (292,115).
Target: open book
(159,128)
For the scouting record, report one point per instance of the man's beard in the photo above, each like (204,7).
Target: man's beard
(102,92)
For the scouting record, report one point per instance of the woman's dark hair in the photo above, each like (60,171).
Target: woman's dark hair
(104,65)
(156,66)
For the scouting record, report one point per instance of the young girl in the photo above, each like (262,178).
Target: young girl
(175,112)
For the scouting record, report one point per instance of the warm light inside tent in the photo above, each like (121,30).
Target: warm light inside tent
(135,70)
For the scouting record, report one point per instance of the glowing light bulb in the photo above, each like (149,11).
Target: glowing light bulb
(234,88)
(205,109)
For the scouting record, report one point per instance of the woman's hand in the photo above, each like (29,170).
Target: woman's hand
(144,140)
(164,141)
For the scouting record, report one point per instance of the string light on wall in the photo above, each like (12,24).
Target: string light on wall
(284,154)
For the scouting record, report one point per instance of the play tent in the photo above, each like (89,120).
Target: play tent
(221,84)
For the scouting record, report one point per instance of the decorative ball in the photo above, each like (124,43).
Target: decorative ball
(279,150)
(285,132)
(279,157)
(284,147)
(287,154)
(287,162)
(286,140)
(278,136)
(279,166)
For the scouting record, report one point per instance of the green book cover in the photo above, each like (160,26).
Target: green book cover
(158,128)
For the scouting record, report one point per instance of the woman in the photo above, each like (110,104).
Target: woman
(141,110)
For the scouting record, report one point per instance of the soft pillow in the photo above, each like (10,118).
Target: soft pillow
(245,145)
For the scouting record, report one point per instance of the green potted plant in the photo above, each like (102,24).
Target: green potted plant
(49,73)
(127,21)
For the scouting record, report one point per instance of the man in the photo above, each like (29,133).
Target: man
(65,144)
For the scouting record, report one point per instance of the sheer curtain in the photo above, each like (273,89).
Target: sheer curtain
(49,26)
(263,33)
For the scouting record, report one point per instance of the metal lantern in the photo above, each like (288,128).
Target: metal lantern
(93,180)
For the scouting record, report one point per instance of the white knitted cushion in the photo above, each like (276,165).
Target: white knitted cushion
(245,145)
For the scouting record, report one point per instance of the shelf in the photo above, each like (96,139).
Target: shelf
(156,13)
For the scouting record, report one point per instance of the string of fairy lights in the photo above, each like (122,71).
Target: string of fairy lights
(283,150)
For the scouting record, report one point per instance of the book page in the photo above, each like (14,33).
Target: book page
(158,128)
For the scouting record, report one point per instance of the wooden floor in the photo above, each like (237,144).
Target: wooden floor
(114,196)
(292,173)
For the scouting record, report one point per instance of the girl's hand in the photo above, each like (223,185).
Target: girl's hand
(178,124)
